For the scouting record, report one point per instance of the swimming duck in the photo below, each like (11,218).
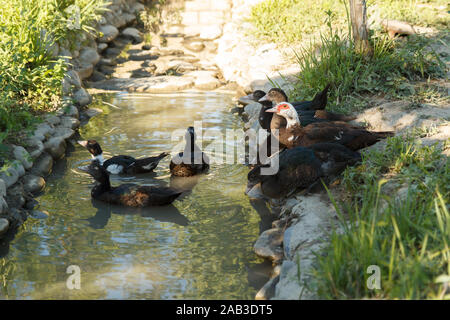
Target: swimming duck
(130,195)
(308,111)
(300,167)
(122,164)
(293,135)
(192,160)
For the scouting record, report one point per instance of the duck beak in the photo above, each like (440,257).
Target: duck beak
(273,110)
(83,143)
(248,97)
(265,98)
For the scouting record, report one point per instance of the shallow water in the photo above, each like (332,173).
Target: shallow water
(200,247)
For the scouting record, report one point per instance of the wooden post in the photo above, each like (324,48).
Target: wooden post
(358,15)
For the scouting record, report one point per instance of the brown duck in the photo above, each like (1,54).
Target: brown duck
(192,160)
(293,135)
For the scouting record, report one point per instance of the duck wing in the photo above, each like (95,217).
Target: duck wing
(118,164)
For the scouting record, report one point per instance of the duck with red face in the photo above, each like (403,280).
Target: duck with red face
(294,135)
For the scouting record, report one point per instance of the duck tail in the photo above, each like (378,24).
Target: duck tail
(320,100)
(151,162)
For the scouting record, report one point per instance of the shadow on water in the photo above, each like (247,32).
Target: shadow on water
(163,214)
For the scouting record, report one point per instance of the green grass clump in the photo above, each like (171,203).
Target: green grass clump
(388,71)
(289,21)
(30,76)
(406,236)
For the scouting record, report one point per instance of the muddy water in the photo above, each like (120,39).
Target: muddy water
(198,248)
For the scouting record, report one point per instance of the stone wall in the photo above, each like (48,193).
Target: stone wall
(36,155)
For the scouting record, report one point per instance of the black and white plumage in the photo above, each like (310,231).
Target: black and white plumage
(122,164)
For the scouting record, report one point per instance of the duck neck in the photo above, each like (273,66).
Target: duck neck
(292,121)
(99,158)
(101,187)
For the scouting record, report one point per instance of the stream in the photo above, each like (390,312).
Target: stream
(200,247)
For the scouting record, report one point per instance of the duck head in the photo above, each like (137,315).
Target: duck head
(94,148)
(287,111)
(96,170)
(274,95)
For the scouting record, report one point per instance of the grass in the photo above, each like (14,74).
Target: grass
(406,236)
(392,70)
(394,213)
(30,74)
(289,21)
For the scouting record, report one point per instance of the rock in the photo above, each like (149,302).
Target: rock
(23,156)
(137,7)
(9,176)
(37,214)
(108,70)
(85,70)
(269,244)
(14,197)
(89,56)
(2,188)
(4,226)
(3,206)
(56,147)
(19,168)
(181,66)
(158,84)
(43,131)
(35,147)
(71,111)
(43,165)
(97,76)
(101,47)
(64,132)
(82,97)
(109,32)
(92,112)
(52,120)
(129,18)
(206,81)
(252,109)
(133,34)
(195,46)
(268,290)
(112,52)
(211,33)
(33,183)
(73,78)
(287,288)
(31,203)
(69,122)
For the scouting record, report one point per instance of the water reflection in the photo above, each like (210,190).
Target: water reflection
(200,247)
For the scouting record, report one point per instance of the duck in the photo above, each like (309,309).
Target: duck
(308,111)
(300,168)
(122,164)
(265,119)
(129,194)
(293,135)
(192,160)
